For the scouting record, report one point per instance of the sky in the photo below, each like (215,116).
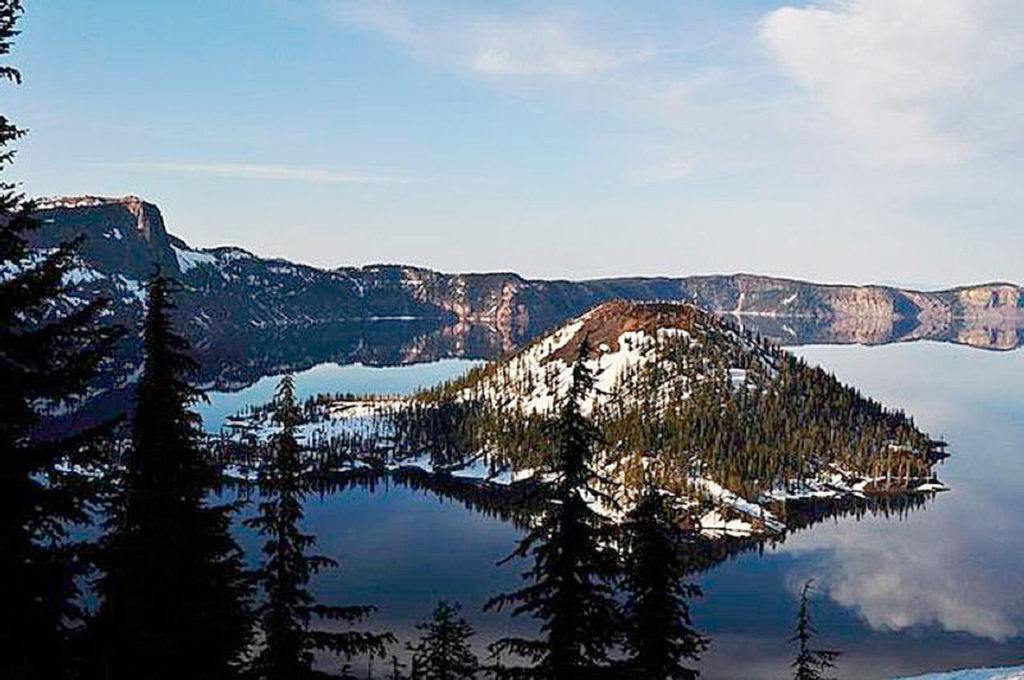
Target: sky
(860,141)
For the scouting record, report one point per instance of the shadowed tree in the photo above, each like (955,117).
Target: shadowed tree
(175,594)
(443,651)
(47,358)
(659,632)
(396,669)
(570,583)
(810,664)
(285,616)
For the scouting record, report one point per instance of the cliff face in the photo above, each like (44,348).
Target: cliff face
(228,291)
(990,297)
(122,235)
(989,316)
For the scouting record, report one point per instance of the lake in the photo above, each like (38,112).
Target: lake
(941,587)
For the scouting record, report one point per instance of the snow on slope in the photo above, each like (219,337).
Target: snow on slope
(189,259)
(625,338)
(1014,673)
(628,341)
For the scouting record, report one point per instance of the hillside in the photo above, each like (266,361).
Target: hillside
(703,397)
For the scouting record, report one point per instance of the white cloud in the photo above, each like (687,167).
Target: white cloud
(491,43)
(540,47)
(288,173)
(666,169)
(918,81)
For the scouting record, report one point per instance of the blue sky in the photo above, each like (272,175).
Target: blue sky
(860,141)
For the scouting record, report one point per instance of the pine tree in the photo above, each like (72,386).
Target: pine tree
(285,617)
(810,664)
(659,630)
(47,358)
(443,651)
(396,669)
(175,593)
(571,580)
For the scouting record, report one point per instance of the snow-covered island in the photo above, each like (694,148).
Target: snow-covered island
(743,435)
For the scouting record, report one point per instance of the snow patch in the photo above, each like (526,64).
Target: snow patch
(80,275)
(189,259)
(1007,673)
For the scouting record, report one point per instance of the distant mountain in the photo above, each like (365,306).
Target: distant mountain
(229,294)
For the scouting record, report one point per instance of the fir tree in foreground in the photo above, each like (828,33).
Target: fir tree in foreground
(810,664)
(443,652)
(659,632)
(285,616)
(175,594)
(47,358)
(570,583)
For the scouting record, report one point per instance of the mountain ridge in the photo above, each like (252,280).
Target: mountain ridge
(125,236)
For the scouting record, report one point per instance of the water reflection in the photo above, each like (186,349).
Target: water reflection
(929,591)
(230,363)
(328,378)
(903,591)
(956,566)
(407,538)
(897,582)
(234,362)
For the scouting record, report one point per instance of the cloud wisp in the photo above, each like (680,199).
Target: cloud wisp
(492,44)
(254,171)
(901,82)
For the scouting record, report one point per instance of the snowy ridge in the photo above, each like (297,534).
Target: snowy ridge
(52,202)
(1008,673)
(189,259)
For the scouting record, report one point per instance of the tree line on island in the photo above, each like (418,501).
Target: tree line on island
(127,514)
(785,422)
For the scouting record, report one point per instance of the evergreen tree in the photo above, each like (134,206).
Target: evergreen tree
(175,594)
(571,580)
(443,652)
(286,614)
(659,631)
(47,358)
(810,664)
(396,669)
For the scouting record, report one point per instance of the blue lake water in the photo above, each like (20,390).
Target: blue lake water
(939,588)
(330,379)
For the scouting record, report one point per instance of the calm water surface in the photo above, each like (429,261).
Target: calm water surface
(940,588)
(332,378)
